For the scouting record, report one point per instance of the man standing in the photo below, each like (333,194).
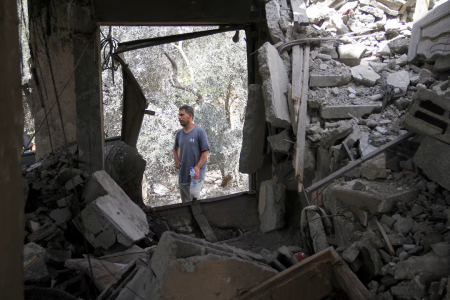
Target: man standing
(190,150)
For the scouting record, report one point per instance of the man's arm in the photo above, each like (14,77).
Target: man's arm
(202,160)
(176,158)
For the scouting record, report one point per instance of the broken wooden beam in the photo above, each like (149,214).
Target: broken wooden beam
(139,44)
(296,90)
(301,120)
(354,164)
(202,222)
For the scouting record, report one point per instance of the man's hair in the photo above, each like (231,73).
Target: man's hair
(188,109)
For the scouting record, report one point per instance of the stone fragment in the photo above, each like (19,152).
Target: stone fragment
(351,253)
(442,249)
(329,80)
(73,183)
(59,255)
(388,221)
(112,209)
(365,75)
(275,86)
(399,45)
(281,142)
(377,198)
(371,260)
(43,232)
(252,151)
(273,17)
(428,263)
(399,80)
(403,225)
(351,51)
(271,205)
(61,215)
(416,210)
(359,186)
(66,174)
(348,111)
(402,60)
(376,12)
(433,159)
(402,103)
(286,257)
(34,264)
(424,75)
(332,136)
(378,67)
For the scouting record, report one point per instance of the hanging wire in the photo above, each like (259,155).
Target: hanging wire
(108,46)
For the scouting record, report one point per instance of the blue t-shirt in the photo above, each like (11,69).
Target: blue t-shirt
(191,145)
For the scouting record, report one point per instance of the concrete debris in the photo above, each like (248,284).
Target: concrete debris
(399,80)
(365,75)
(341,132)
(428,263)
(281,142)
(275,86)
(34,264)
(316,231)
(271,205)
(273,16)
(348,111)
(112,216)
(329,80)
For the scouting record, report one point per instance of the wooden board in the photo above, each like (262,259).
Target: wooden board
(311,279)
(238,210)
(302,117)
(197,212)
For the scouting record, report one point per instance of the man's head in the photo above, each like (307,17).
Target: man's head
(185,115)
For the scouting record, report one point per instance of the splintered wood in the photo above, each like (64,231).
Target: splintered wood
(300,78)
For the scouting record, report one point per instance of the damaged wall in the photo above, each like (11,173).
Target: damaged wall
(66,79)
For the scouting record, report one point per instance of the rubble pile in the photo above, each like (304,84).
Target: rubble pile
(390,215)
(66,206)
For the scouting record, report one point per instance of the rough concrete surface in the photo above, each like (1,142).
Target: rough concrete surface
(275,86)
(271,205)
(252,152)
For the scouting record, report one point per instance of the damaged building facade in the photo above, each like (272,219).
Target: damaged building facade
(345,139)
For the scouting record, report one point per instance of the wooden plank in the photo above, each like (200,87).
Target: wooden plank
(309,279)
(386,239)
(421,9)
(296,89)
(145,43)
(347,280)
(202,222)
(302,117)
(354,164)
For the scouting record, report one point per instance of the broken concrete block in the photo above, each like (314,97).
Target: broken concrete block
(59,255)
(351,51)
(348,111)
(399,80)
(281,142)
(316,231)
(73,183)
(376,12)
(365,75)
(271,205)
(112,215)
(378,67)
(403,225)
(372,169)
(66,174)
(273,17)
(61,215)
(442,249)
(43,232)
(378,197)
(388,221)
(350,254)
(275,86)
(432,157)
(332,136)
(428,263)
(180,262)
(362,215)
(393,4)
(254,132)
(34,264)
(399,45)
(66,201)
(329,80)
